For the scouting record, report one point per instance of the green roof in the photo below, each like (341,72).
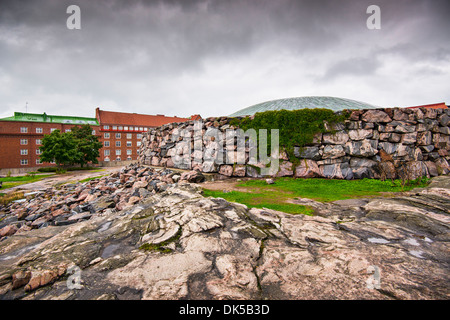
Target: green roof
(35,117)
(333,103)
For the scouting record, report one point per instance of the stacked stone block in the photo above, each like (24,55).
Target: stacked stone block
(377,143)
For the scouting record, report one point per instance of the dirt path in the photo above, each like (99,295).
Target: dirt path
(225,185)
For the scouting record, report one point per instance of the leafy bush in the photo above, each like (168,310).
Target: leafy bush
(79,146)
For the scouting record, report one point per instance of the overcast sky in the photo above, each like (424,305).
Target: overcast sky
(218,56)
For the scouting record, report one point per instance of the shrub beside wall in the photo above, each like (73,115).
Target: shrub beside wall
(376,143)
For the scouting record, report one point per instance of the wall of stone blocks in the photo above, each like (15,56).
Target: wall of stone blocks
(377,143)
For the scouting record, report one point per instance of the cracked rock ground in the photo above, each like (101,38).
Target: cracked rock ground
(177,244)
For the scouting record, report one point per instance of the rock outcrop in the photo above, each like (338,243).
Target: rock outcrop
(351,150)
(177,244)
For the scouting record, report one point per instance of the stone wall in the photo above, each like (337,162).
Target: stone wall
(377,143)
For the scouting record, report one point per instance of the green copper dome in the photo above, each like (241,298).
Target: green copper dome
(332,103)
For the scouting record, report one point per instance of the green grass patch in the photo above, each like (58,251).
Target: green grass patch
(9,197)
(258,194)
(90,179)
(9,182)
(326,190)
(261,199)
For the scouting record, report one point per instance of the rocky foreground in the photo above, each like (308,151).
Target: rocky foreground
(147,234)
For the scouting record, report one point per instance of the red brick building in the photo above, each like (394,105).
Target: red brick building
(120,133)
(21,136)
(441,105)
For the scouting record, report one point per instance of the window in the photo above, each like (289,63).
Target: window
(138,143)
(23,129)
(38,151)
(129,158)
(23,152)
(106,135)
(52,129)
(117,143)
(129,136)
(23,162)
(125,128)
(118,152)
(106,152)
(68,130)
(38,161)
(128,152)
(93,132)
(118,159)
(120,128)
(23,141)
(39,130)
(128,143)
(139,136)
(38,141)
(114,127)
(136,129)
(106,144)
(141,128)
(118,136)
(106,127)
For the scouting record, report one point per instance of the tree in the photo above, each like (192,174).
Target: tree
(87,145)
(79,146)
(59,147)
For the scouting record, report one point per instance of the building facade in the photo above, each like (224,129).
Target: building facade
(119,132)
(21,136)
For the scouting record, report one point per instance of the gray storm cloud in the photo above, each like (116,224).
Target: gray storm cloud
(215,57)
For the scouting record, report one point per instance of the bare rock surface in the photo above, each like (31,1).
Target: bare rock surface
(177,244)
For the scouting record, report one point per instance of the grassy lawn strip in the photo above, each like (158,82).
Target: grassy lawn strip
(9,182)
(258,194)
(326,190)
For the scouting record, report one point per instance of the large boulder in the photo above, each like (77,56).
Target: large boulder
(335,138)
(239,170)
(376,116)
(307,169)
(424,138)
(226,170)
(412,170)
(285,169)
(194,176)
(336,171)
(360,134)
(333,152)
(308,153)
(365,148)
